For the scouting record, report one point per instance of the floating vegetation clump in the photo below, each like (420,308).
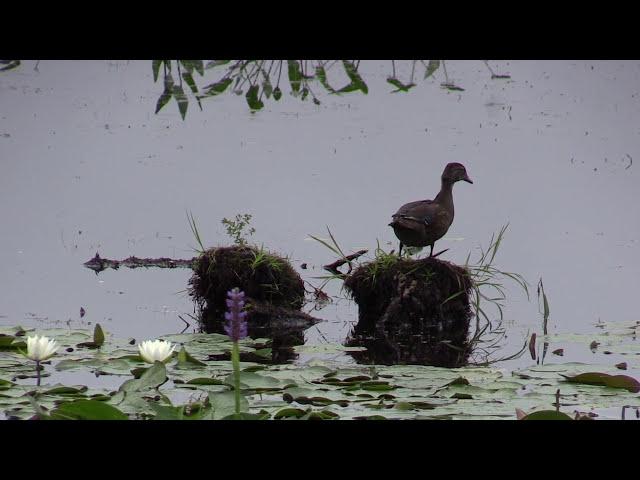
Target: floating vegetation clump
(274,290)
(399,298)
(192,384)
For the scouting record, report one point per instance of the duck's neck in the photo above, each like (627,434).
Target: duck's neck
(445,196)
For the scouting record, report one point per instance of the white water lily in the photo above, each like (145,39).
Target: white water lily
(155,350)
(41,348)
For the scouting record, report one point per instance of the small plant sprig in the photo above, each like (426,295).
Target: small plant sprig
(196,233)
(236,329)
(236,228)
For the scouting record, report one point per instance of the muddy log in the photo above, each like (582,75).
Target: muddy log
(411,311)
(98,264)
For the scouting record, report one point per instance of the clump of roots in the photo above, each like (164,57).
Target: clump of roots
(411,311)
(273,290)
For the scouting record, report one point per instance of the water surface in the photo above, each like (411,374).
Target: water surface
(87,166)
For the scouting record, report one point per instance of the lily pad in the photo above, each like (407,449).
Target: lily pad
(87,410)
(613,381)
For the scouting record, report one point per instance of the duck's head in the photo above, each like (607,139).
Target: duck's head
(455,172)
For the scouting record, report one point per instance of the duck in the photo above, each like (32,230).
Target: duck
(422,223)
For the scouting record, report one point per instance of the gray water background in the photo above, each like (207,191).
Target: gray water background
(87,166)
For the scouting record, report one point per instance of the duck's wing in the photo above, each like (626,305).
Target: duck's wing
(422,211)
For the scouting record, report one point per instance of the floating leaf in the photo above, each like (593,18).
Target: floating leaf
(205,381)
(559,352)
(62,390)
(247,416)
(547,415)
(185,360)
(195,411)
(458,381)
(87,410)
(277,93)
(255,381)
(223,404)
(621,366)
(8,342)
(153,377)
(462,396)
(289,413)
(613,381)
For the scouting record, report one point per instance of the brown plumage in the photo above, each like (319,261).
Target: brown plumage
(421,223)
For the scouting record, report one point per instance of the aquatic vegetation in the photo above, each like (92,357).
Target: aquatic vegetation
(257,80)
(263,257)
(402,303)
(9,65)
(195,231)
(153,351)
(40,349)
(474,287)
(236,328)
(487,288)
(268,281)
(236,228)
(236,319)
(193,386)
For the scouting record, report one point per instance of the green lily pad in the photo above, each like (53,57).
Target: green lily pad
(547,415)
(87,410)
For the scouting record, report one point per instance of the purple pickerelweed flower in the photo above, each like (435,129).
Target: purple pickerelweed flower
(236,326)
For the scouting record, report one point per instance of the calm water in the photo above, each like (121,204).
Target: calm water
(87,166)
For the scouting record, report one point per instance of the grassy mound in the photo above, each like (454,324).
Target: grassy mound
(274,290)
(411,311)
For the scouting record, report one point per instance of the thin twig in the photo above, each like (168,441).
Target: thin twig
(333,267)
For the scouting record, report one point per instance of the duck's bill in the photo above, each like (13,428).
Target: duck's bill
(467,179)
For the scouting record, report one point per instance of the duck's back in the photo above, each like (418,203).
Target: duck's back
(421,223)
(420,209)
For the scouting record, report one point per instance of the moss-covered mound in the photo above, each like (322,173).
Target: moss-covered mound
(411,311)
(274,290)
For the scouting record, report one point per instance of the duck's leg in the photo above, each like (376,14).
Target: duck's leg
(431,252)
(400,250)
(439,253)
